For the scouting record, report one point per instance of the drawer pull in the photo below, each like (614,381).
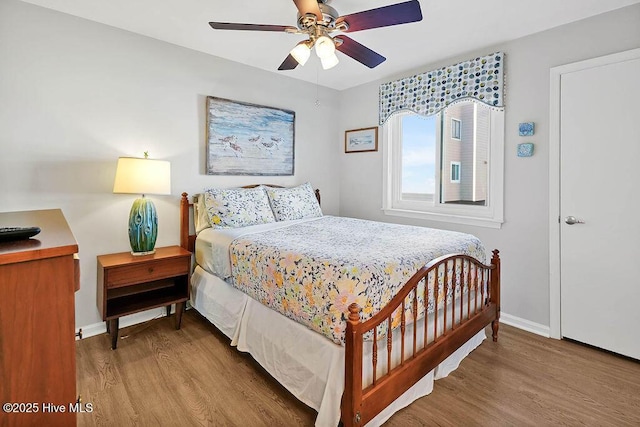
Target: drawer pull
(150,269)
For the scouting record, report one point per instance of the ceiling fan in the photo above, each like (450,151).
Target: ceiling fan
(318,21)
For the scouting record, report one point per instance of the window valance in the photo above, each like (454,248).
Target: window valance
(427,93)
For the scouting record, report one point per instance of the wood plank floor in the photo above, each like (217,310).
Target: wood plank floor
(160,376)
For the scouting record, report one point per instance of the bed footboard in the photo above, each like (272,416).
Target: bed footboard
(465,297)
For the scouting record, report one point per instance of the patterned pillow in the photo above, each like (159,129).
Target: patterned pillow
(237,207)
(294,203)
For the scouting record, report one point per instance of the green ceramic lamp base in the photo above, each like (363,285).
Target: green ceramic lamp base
(143,227)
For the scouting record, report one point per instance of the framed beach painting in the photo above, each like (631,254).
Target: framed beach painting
(249,139)
(359,140)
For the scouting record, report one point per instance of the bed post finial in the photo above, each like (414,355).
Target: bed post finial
(354,313)
(184,221)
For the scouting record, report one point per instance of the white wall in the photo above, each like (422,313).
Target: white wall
(523,239)
(75,95)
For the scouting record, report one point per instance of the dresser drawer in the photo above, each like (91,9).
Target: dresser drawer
(145,272)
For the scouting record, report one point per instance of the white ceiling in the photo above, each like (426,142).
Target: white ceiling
(449,28)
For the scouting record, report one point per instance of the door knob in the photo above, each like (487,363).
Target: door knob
(573,220)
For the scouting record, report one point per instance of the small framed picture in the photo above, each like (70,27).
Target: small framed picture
(360,140)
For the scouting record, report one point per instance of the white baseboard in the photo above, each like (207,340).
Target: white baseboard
(526,325)
(132,319)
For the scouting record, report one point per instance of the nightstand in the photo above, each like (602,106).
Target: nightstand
(128,284)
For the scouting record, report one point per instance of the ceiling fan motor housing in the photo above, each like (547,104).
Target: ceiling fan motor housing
(309,20)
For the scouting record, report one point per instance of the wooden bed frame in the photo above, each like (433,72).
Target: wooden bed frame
(361,404)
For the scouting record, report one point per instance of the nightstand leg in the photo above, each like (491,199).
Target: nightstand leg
(169,310)
(113,329)
(108,329)
(179,310)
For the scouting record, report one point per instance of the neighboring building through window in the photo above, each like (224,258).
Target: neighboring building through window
(470,151)
(446,172)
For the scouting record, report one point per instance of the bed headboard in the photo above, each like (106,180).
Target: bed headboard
(188,240)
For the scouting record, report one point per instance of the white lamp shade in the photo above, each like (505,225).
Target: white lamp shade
(329,61)
(142,176)
(301,52)
(325,47)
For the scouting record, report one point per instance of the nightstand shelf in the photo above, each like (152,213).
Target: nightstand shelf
(133,303)
(129,284)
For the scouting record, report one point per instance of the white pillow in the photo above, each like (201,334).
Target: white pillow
(294,203)
(237,207)
(200,216)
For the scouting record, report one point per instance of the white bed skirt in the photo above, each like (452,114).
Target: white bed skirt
(306,363)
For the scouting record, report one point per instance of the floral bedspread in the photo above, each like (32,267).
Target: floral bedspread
(312,271)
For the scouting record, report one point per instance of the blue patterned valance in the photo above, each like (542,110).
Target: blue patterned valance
(428,93)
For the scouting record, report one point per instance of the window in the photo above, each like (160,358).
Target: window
(456,128)
(455,172)
(431,174)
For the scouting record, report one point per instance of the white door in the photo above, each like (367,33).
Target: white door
(600,185)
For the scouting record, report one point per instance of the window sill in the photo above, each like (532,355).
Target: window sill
(450,218)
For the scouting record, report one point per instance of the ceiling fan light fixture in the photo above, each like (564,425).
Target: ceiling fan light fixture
(301,52)
(329,61)
(325,47)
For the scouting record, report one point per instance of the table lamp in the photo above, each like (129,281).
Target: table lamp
(142,176)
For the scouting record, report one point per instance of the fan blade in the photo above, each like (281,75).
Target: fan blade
(288,64)
(308,6)
(395,14)
(249,27)
(359,52)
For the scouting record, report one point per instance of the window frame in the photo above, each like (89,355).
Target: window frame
(490,216)
(453,180)
(459,128)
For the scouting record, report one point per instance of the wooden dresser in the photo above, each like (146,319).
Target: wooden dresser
(38,280)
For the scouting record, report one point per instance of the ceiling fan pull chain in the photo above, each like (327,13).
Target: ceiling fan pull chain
(317,87)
